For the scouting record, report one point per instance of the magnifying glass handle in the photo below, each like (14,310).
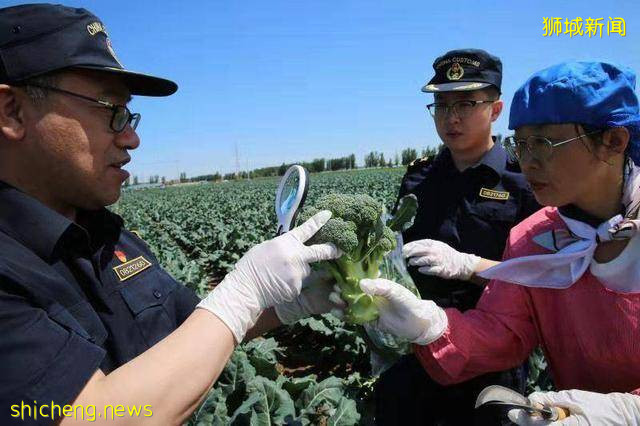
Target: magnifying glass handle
(557,413)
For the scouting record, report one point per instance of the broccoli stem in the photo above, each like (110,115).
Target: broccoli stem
(347,273)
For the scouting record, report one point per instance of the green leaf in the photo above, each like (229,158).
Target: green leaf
(345,414)
(245,414)
(317,325)
(330,390)
(267,404)
(404,215)
(213,411)
(262,354)
(235,377)
(296,385)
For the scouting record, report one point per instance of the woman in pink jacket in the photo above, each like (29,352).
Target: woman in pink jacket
(570,277)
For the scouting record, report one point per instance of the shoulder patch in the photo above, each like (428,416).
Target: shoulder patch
(513,166)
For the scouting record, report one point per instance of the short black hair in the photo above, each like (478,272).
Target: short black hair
(38,94)
(596,137)
(597,131)
(492,92)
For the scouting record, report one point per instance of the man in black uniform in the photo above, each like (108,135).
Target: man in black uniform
(470,195)
(87,316)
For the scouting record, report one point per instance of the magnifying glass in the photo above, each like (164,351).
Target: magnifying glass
(290,196)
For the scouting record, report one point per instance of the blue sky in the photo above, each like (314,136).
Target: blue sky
(293,80)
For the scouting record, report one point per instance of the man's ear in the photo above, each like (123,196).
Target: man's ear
(614,142)
(11,113)
(496,109)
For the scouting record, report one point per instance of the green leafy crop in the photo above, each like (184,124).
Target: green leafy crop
(358,229)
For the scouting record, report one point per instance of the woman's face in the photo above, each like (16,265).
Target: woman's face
(571,174)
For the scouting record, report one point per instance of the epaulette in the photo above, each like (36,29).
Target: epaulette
(420,162)
(513,166)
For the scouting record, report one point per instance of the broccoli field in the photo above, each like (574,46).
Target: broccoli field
(317,371)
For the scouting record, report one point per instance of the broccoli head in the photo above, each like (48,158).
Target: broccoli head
(358,229)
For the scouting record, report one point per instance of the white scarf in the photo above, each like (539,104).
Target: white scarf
(574,248)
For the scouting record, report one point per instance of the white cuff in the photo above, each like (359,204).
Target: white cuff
(237,309)
(437,319)
(471,263)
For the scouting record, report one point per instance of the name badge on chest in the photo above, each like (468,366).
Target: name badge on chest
(131,268)
(493,194)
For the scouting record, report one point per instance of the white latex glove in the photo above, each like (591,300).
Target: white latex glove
(317,297)
(267,275)
(585,408)
(438,258)
(405,315)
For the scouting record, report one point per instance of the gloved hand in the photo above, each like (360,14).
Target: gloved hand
(267,275)
(585,408)
(405,315)
(438,258)
(318,296)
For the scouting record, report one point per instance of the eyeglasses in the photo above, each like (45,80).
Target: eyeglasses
(461,108)
(120,114)
(538,147)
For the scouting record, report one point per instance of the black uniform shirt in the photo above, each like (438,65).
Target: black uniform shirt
(472,211)
(74,299)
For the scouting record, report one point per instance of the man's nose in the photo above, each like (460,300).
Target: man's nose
(128,138)
(452,115)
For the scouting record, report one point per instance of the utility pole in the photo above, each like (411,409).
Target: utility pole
(237,162)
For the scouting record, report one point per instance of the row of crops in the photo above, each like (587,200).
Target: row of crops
(318,371)
(315,372)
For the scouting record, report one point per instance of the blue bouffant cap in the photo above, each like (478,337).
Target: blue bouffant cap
(596,94)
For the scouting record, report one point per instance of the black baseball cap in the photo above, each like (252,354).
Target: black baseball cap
(39,38)
(465,69)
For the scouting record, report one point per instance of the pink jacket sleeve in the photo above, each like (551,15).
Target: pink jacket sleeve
(499,334)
